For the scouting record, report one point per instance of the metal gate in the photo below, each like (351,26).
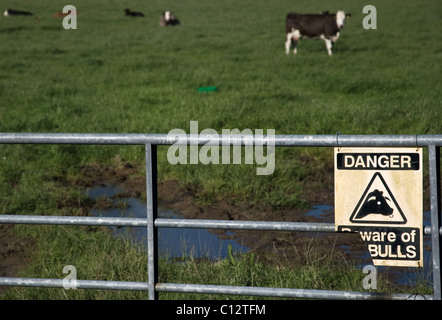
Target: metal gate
(152,222)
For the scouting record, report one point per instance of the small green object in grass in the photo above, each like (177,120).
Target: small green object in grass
(207,89)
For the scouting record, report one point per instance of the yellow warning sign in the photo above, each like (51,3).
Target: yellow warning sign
(378,193)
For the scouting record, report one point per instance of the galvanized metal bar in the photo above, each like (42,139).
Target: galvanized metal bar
(230,139)
(152,214)
(79,284)
(169,223)
(211,289)
(284,292)
(177,223)
(73,220)
(245,225)
(82,138)
(435,199)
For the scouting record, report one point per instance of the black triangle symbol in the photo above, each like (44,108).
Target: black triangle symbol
(374,207)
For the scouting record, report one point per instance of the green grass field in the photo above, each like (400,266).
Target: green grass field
(116,74)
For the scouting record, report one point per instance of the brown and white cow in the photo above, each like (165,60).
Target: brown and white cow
(168,19)
(325,26)
(61,14)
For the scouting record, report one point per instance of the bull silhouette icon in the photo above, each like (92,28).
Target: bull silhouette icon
(378,204)
(375,203)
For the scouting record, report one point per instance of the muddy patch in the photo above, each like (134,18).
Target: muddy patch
(12,258)
(173,195)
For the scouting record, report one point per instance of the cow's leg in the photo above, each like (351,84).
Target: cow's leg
(294,42)
(329,45)
(288,42)
(292,38)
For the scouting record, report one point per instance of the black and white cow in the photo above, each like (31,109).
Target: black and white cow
(131,13)
(11,12)
(325,26)
(168,19)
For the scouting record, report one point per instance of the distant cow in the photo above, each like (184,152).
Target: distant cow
(61,14)
(11,12)
(169,19)
(325,26)
(133,13)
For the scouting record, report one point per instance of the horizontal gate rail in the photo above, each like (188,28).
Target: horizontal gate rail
(79,284)
(338,140)
(213,289)
(152,222)
(169,223)
(285,292)
(177,223)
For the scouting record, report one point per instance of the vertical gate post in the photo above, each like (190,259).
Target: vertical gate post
(152,213)
(435,195)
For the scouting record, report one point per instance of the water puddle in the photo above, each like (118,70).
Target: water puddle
(173,242)
(321,212)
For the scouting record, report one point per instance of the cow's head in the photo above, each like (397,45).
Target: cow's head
(340,19)
(167,15)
